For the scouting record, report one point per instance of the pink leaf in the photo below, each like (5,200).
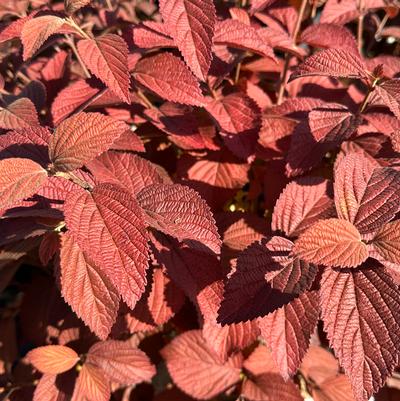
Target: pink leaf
(121,251)
(121,362)
(389,93)
(368,314)
(196,369)
(53,359)
(338,63)
(92,384)
(366,196)
(332,242)
(287,331)
(236,34)
(19,114)
(302,203)
(81,138)
(168,77)
(87,289)
(107,58)
(191,23)
(179,211)
(19,179)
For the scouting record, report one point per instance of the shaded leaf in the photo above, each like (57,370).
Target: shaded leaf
(389,93)
(91,384)
(19,114)
(332,242)
(71,6)
(387,242)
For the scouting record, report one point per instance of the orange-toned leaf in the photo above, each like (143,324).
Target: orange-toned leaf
(19,114)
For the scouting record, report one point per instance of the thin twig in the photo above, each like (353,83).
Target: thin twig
(367,97)
(147,103)
(381,26)
(237,72)
(88,102)
(360,26)
(71,44)
(296,31)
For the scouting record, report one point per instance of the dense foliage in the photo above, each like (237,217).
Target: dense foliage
(199,200)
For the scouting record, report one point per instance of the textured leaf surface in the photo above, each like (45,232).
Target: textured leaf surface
(81,138)
(130,171)
(19,179)
(196,370)
(47,390)
(267,277)
(179,211)
(151,34)
(236,34)
(389,92)
(37,30)
(191,23)
(364,327)
(121,362)
(387,242)
(366,196)
(53,359)
(87,289)
(287,331)
(107,58)
(332,242)
(118,245)
(337,63)
(91,384)
(19,114)
(72,6)
(302,203)
(168,77)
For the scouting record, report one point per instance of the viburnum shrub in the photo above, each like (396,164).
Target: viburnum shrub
(199,200)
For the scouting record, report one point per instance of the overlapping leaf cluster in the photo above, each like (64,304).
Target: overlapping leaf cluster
(199,200)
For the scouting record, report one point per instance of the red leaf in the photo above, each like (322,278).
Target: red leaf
(157,306)
(191,23)
(121,251)
(37,30)
(19,114)
(87,289)
(329,35)
(338,63)
(81,138)
(335,388)
(266,277)
(265,383)
(92,384)
(196,370)
(387,242)
(287,331)
(107,58)
(179,211)
(121,362)
(239,119)
(368,314)
(332,242)
(19,179)
(235,34)
(389,93)
(53,359)
(301,204)
(168,77)
(127,170)
(71,6)
(49,246)
(327,127)
(150,34)
(366,196)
